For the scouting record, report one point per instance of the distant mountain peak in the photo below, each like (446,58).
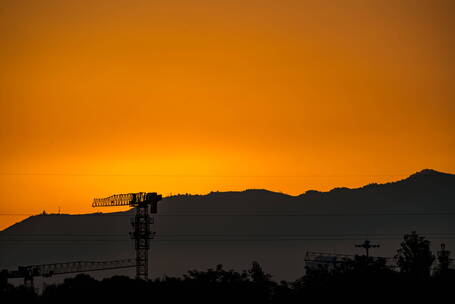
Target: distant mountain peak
(427,172)
(430,175)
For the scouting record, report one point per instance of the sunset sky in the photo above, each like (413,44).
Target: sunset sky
(104,97)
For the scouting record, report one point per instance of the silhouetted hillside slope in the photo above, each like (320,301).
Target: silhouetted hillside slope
(246,226)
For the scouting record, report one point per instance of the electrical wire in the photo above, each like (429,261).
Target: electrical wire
(221,234)
(449,213)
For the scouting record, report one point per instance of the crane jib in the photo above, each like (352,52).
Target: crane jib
(129,199)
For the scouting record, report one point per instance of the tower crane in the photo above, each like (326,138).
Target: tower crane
(48,270)
(145,204)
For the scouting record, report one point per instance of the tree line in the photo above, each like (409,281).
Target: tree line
(418,275)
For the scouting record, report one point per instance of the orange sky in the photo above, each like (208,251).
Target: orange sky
(103,97)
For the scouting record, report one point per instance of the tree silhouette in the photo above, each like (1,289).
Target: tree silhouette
(258,275)
(414,256)
(262,283)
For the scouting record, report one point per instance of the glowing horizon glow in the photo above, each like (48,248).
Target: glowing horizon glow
(196,96)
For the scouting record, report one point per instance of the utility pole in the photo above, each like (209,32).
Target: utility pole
(444,258)
(367,245)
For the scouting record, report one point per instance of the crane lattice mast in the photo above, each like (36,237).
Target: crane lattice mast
(144,203)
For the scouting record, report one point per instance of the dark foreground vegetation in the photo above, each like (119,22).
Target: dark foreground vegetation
(418,275)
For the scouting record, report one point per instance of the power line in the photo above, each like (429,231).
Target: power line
(334,214)
(222,237)
(190,175)
(223,234)
(220,240)
(17,214)
(309,214)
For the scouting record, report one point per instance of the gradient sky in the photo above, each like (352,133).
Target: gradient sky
(104,97)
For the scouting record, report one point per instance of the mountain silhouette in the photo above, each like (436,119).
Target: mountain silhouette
(234,228)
